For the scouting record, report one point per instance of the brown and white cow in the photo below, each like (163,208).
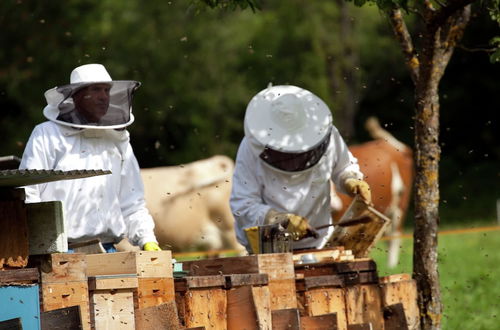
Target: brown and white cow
(190,204)
(388,168)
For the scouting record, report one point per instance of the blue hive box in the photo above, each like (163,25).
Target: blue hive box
(21,302)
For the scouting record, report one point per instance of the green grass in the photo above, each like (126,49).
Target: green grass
(469,267)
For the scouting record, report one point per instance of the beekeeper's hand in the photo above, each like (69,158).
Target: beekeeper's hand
(296,225)
(358,187)
(151,246)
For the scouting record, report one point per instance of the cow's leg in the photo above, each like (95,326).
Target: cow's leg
(395,213)
(210,236)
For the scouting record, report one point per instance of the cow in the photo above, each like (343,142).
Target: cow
(388,168)
(190,204)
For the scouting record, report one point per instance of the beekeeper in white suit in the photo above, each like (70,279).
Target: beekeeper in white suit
(288,155)
(86,130)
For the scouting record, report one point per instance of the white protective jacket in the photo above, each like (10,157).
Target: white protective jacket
(257,187)
(109,207)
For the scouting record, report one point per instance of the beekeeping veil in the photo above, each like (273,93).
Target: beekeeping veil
(288,127)
(116,109)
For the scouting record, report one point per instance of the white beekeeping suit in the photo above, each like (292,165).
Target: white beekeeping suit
(288,155)
(108,207)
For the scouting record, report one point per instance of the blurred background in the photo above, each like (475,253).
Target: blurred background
(199,67)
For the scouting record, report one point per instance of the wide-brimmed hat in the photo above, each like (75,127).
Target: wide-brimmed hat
(291,124)
(60,107)
(287,118)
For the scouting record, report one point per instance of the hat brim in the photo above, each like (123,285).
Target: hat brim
(261,125)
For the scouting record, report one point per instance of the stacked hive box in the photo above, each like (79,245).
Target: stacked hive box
(277,266)
(237,301)
(64,283)
(153,270)
(111,299)
(354,293)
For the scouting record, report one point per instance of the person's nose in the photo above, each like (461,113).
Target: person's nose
(103,95)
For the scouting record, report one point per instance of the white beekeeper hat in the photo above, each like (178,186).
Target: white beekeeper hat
(60,107)
(292,126)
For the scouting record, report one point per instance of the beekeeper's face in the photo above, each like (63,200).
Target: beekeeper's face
(92,101)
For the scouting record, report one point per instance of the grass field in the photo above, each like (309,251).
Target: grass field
(469,268)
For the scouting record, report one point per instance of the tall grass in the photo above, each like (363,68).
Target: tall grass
(469,268)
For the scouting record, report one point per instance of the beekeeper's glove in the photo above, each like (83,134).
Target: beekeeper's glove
(296,225)
(151,246)
(358,187)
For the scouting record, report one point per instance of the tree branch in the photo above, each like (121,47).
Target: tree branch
(444,13)
(404,38)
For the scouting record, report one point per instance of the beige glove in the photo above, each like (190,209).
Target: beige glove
(358,187)
(296,225)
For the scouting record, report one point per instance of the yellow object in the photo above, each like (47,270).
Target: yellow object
(151,246)
(253,238)
(359,187)
(298,226)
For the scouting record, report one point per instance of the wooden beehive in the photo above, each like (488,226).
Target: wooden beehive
(63,283)
(111,299)
(201,301)
(401,289)
(152,268)
(278,267)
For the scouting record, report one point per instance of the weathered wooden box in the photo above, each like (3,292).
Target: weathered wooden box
(111,299)
(63,283)
(46,228)
(401,289)
(152,268)
(14,244)
(141,263)
(278,266)
(202,301)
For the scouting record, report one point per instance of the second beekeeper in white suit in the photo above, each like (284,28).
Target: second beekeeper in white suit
(284,164)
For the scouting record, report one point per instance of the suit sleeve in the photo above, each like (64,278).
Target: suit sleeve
(139,222)
(246,201)
(345,165)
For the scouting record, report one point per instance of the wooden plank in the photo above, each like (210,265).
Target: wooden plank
(360,326)
(12,324)
(154,291)
(241,313)
(163,316)
(112,282)
(364,305)
(394,317)
(327,301)
(60,267)
(319,322)
(222,266)
(404,292)
(286,319)
(47,233)
(112,309)
(334,268)
(14,244)
(235,280)
(395,278)
(67,318)
(21,302)
(67,294)
(206,307)
(360,238)
(23,276)
(142,263)
(248,308)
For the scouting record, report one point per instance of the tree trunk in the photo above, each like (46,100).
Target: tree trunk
(439,40)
